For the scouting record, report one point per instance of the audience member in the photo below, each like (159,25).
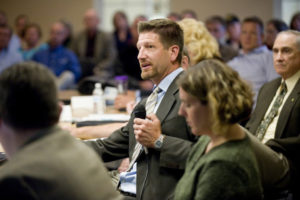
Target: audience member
(163,137)
(254,63)
(95,49)
(222,164)
(189,14)
(274,26)
(21,22)
(132,68)
(216,25)
(295,22)
(62,62)
(32,35)
(174,16)
(199,43)
(68,33)
(233,31)
(14,42)
(44,162)
(127,51)
(7,56)
(278,101)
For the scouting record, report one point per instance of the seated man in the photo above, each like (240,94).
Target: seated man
(44,162)
(95,48)
(62,62)
(8,56)
(254,63)
(275,120)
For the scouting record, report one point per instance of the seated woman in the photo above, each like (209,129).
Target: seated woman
(222,164)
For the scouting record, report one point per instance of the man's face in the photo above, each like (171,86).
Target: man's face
(217,30)
(32,36)
(4,37)
(286,55)
(91,21)
(154,59)
(251,36)
(57,34)
(271,33)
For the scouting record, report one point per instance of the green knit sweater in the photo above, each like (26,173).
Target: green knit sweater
(228,171)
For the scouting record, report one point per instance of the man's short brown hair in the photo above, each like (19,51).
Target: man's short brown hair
(169,33)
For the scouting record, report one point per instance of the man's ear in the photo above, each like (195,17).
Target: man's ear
(60,105)
(173,51)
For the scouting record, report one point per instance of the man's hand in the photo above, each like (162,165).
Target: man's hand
(147,131)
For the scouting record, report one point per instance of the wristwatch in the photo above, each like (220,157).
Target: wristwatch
(159,142)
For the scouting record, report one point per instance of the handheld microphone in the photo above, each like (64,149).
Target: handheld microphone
(140,112)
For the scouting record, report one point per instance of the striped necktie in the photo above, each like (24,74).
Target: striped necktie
(262,128)
(150,105)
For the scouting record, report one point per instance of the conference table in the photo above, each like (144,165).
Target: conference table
(85,114)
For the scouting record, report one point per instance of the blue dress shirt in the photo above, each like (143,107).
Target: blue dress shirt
(58,60)
(256,67)
(8,58)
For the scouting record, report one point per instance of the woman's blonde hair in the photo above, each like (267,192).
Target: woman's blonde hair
(217,85)
(199,42)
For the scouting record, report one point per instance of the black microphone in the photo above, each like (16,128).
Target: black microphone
(140,112)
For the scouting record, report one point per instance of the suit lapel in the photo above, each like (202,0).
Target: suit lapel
(168,101)
(286,110)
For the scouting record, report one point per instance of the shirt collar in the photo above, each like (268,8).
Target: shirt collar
(166,82)
(291,82)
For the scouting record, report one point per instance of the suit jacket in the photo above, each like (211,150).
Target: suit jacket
(54,165)
(159,171)
(105,54)
(287,133)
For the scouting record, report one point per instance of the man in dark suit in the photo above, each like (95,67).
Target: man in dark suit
(282,127)
(44,162)
(95,49)
(164,135)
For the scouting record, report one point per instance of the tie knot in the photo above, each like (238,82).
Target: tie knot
(283,88)
(157,90)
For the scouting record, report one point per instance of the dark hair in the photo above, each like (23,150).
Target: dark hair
(122,14)
(32,25)
(5,26)
(255,20)
(216,19)
(28,97)
(231,19)
(295,17)
(278,24)
(169,33)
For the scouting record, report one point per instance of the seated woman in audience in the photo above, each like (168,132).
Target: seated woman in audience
(222,164)
(199,43)
(32,34)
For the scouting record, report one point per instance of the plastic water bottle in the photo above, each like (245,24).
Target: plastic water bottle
(99,101)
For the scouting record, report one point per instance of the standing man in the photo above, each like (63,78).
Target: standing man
(277,113)
(44,162)
(60,60)
(254,63)
(164,136)
(95,49)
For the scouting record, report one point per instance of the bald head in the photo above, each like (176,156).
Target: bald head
(57,34)
(91,20)
(286,53)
